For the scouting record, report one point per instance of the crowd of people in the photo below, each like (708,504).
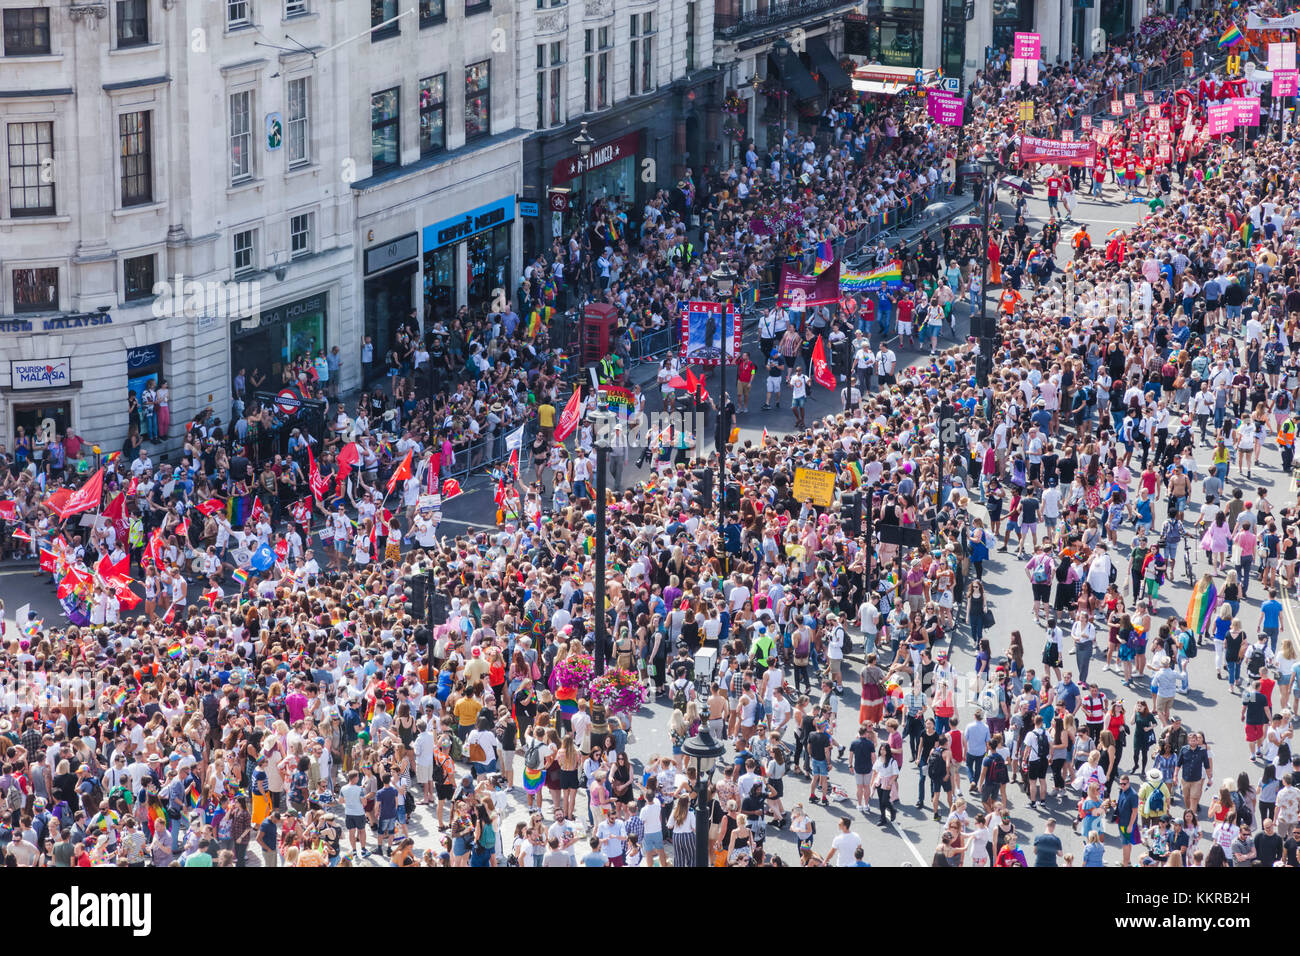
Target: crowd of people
(251,690)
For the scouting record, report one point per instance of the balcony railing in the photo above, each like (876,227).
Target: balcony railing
(771,13)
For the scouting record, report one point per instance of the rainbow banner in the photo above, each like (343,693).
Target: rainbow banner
(1201,608)
(175,652)
(885,277)
(1231,37)
(240,575)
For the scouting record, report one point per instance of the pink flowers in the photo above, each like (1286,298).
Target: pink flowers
(620,691)
(575,672)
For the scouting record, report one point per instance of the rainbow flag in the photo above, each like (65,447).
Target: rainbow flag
(175,652)
(193,797)
(157,817)
(1201,608)
(113,457)
(825,257)
(1231,37)
(754,293)
(31,628)
(890,275)
(567,699)
(240,575)
(107,818)
(533,779)
(589,545)
(121,698)
(854,471)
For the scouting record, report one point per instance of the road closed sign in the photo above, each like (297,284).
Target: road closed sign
(817,486)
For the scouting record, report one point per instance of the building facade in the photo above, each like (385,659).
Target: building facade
(171,208)
(437,182)
(640,74)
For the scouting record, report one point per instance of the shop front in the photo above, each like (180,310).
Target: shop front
(143,365)
(390,277)
(607,173)
(1009,18)
(41,399)
(467,258)
(265,344)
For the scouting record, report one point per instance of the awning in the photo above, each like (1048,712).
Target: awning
(824,62)
(794,76)
(889,80)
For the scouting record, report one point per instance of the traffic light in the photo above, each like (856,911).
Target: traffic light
(733,496)
(851,513)
(437,607)
(704,483)
(416,583)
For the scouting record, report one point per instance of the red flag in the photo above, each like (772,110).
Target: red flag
(154,549)
(569,417)
(131,488)
(256,512)
(320,485)
(71,581)
(450,489)
(183,529)
(170,616)
(348,457)
(695,385)
(8,509)
(106,569)
(282,549)
(116,513)
(513,464)
(49,560)
(58,500)
(822,374)
(211,506)
(499,496)
(126,597)
(402,473)
(212,597)
(84,498)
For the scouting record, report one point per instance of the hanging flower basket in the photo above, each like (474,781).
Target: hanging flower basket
(733,104)
(619,690)
(575,672)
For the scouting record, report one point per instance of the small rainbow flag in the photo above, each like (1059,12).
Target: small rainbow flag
(193,797)
(589,545)
(31,628)
(121,698)
(240,575)
(1231,37)
(113,457)
(175,652)
(854,472)
(567,699)
(157,817)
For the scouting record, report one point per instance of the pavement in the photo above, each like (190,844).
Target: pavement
(1208,707)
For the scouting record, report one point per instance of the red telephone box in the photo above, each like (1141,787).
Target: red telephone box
(599,319)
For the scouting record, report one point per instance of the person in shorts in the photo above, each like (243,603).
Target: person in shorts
(354,812)
(775,373)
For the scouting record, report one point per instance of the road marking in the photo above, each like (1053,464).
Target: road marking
(908,843)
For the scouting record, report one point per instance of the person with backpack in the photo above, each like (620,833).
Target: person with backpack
(1154,798)
(994,775)
(1036,757)
(1256,714)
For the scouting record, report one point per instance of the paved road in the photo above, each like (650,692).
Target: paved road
(1208,707)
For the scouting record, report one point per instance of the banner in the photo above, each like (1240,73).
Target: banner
(1245,110)
(614,395)
(946,109)
(1281,56)
(1286,83)
(1221,119)
(704,325)
(1027,46)
(1035,150)
(1085,123)
(798,291)
(1130,100)
(1290,22)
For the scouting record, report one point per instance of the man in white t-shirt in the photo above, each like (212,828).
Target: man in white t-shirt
(844,846)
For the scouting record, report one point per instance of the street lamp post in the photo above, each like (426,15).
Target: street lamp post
(756,84)
(987,336)
(583,141)
(725,278)
(702,752)
(602,461)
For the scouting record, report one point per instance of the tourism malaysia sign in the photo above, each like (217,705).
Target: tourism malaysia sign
(40,373)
